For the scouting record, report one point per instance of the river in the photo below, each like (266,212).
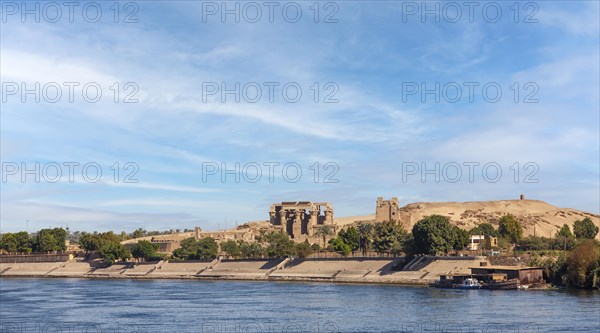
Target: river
(79,305)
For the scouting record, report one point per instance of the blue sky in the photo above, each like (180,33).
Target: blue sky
(377,129)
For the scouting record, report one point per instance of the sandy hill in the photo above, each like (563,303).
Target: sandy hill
(536,216)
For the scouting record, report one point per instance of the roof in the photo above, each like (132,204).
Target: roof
(505,268)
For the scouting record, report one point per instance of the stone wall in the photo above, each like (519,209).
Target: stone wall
(34,258)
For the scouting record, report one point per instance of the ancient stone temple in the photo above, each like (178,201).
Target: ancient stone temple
(301,219)
(387,210)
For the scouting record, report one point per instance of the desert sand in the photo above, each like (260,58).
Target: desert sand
(537,217)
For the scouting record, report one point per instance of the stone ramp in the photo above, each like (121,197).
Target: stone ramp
(72,269)
(305,274)
(187,268)
(4,269)
(242,268)
(112,270)
(353,273)
(418,263)
(140,269)
(431,272)
(29,269)
(352,268)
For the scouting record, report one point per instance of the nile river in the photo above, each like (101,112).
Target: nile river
(75,305)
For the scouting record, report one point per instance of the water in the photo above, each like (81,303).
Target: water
(76,305)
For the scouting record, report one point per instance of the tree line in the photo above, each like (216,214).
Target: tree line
(44,241)
(577,265)
(431,235)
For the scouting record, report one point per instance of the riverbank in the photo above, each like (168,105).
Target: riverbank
(421,271)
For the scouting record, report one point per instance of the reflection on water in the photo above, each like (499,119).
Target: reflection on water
(74,305)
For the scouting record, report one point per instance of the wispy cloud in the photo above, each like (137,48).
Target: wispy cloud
(171,131)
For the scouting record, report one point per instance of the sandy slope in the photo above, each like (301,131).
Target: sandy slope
(536,216)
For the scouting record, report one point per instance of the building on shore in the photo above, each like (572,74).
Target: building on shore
(481,242)
(525,275)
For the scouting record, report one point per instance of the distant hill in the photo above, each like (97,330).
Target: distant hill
(537,215)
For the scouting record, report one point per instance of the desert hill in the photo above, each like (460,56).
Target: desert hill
(536,216)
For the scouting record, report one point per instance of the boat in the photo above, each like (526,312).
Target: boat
(511,284)
(469,283)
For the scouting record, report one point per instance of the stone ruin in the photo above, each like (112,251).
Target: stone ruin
(301,219)
(387,210)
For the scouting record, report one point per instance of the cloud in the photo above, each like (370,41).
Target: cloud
(581,19)
(369,132)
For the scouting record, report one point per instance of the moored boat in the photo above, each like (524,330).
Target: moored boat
(503,285)
(469,283)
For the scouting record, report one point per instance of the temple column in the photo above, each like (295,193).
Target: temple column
(329,215)
(283,221)
(313,220)
(297,226)
(272,216)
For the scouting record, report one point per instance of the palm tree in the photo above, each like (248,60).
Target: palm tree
(324,231)
(365,230)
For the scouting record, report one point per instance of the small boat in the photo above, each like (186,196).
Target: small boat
(469,283)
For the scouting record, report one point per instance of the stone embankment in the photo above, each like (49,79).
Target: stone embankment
(420,271)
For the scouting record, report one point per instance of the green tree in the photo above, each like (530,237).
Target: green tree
(187,250)
(565,231)
(340,246)
(51,240)
(555,269)
(251,250)
(486,229)
(564,238)
(279,245)
(324,231)
(231,248)
(9,242)
(138,233)
(144,250)
(460,238)
(91,242)
(124,236)
(408,248)
(111,252)
(365,231)
(388,236)
(585,229)
(351,237)
(583,266)
(206,249)
(433,234)
(510,228)
(23,242)
(535,243)
(303,249)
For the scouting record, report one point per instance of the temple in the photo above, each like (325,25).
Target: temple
(301,219)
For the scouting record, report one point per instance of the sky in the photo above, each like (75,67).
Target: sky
(176,114)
